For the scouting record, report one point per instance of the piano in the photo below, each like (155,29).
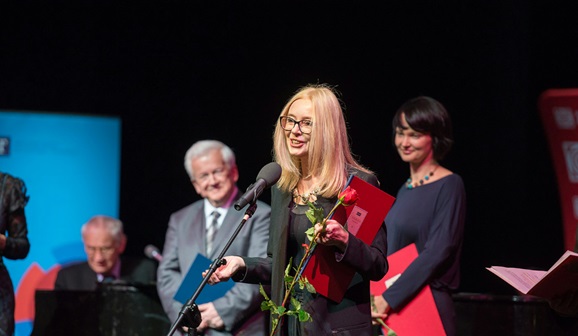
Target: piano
(113,309)
(509,315)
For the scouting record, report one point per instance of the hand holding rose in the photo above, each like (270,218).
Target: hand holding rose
(333,234)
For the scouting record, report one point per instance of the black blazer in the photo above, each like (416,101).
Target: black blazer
(81,277)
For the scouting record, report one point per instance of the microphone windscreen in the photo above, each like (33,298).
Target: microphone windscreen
(151,250)
(271,173)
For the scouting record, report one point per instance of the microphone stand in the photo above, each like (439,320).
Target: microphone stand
(189,316)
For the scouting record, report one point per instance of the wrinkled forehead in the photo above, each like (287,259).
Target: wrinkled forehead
(97,237)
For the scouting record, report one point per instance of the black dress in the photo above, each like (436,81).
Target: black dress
(13,199)
(432,216)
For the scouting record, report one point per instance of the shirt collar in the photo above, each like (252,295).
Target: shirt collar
(209,208)
(115,271)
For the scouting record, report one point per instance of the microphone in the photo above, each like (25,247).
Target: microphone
(153,252)
(268,176)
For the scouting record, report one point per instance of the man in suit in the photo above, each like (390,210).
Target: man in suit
(213,172)
(104,242)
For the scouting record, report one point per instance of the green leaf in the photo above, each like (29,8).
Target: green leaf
(304,316)
(310,233)
(288,268)
(314,214)
(310,288)
(295,303)
(266,305)
(304,283)
(281,310)
(301,284)
(262,291)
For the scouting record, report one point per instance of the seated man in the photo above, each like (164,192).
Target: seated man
(104,242)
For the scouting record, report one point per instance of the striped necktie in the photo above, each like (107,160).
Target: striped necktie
(212,231)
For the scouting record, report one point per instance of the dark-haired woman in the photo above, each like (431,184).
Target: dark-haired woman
(429,211)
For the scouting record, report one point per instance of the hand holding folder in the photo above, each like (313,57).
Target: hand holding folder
(420,316)
(193,279)
(330,278)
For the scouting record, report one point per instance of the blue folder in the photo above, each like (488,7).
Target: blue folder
(193,279)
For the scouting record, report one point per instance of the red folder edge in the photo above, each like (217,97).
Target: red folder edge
(329,277)
(420,316)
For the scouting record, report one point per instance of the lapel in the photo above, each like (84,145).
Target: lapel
(281,216)
(279,234)
(83,278)
(192,236)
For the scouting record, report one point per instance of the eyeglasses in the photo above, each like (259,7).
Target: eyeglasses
(105,250)
(288,123)
(217,174)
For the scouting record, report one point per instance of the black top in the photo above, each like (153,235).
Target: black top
(351,316)
(432,216)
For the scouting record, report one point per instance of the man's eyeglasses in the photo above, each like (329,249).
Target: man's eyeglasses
(105,250)
(288,123)
(217,174)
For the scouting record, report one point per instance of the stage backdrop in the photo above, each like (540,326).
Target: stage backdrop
(71,167)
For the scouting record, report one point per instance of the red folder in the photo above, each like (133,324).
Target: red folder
(329,277)
(420,316)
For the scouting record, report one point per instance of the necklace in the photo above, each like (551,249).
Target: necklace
(421,182)
(307,197)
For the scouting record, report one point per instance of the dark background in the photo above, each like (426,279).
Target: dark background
(180,71)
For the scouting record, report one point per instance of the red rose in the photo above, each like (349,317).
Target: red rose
(348,196)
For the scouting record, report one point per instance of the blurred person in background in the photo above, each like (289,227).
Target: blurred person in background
(14,242)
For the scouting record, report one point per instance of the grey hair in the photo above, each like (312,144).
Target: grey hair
(201,148)
(112,225)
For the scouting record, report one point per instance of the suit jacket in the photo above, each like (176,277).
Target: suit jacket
(81,277)
(186,237)
(351,316)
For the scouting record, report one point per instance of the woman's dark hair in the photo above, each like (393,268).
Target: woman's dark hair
(427,115)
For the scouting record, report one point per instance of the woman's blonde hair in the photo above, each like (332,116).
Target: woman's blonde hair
(329,154)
